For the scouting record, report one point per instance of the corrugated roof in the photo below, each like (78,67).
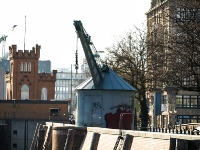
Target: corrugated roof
(110,81)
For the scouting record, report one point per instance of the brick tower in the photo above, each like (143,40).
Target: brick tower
(24,82)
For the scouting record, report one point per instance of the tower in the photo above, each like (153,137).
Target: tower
(24,82)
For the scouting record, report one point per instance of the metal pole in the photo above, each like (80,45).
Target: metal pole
(25,33)
(63,119)
(71,92)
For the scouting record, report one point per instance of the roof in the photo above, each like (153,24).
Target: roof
(110,81)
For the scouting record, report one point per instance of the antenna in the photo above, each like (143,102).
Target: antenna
(25,32)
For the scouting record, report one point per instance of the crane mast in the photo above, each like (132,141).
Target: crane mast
(90,56)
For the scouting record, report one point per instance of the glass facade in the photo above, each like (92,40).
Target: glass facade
(65,85)
(187,101)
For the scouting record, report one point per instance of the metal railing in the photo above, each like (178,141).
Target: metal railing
(189,129)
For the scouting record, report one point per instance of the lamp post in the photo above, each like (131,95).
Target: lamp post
(63,119)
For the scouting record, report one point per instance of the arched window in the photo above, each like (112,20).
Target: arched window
(25,92)
(21,66)
(25,66)
(29,67)
(44,94)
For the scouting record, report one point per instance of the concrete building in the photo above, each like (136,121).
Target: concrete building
(24,81)
(171,103)
(44,66)
(66,82)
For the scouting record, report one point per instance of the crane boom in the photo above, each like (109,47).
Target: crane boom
(86,43)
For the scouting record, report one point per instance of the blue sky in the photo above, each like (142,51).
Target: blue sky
(49,23)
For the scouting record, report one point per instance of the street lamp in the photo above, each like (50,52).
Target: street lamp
(63,119)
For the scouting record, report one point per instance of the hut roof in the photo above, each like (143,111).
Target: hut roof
(110,81)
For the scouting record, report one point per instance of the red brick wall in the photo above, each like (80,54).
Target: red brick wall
(32,109)
(16,78)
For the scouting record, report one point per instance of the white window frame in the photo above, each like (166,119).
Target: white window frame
(25,66)
(21,66)
(44,94)
(24,92)
(29,66)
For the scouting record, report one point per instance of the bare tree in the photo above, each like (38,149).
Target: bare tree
(128,58)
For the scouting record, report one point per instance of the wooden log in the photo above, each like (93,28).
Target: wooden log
(172,145)
(194,144)
(95,141)
(69,140)
(40,141)
(128,142)
(182,144)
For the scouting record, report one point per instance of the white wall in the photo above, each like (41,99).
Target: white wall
(89,115)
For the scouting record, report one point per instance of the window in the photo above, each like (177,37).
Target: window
(189,119)
(44,94)
(194,101)
(164,99)
(25,66)
(15,132)
(186,14)
(178,101)
(179,37)
(25,92)
(198,15)
(193,119)
(164,122)
(180,15)
(187,101)
(29,67)
(14,145)
(21,66)
(53,111)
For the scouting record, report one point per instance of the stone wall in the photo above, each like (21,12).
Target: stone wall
(105,138)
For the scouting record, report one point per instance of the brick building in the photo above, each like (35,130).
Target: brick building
(24,81)
(18,120)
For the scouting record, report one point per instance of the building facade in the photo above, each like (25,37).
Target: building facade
(43,66)
(172,29)
(24,81)
(19,119)
(66,82)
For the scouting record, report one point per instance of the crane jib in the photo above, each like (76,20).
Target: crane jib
(89,54)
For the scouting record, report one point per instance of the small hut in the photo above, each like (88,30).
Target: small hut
(101,105)
(105,99)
